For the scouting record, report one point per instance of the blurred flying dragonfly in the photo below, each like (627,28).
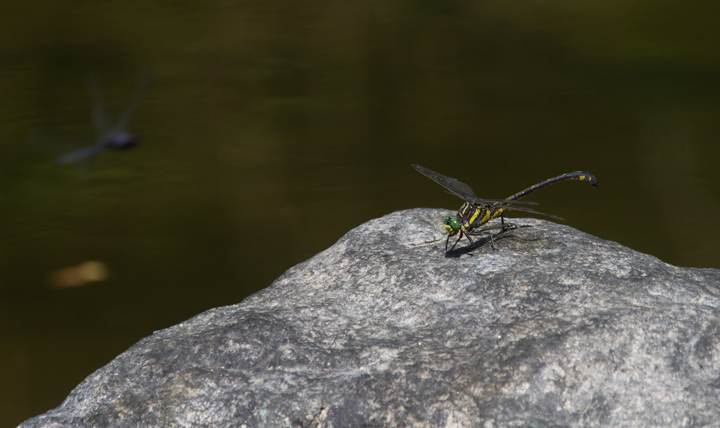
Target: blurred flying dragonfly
(109,136)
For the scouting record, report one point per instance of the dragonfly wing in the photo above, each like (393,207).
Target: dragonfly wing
(79,154)
(457,188)
(528,210)
(139,92)
(502,202)
(99,115)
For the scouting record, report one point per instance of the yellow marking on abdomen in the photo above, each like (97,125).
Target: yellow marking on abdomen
(496,214)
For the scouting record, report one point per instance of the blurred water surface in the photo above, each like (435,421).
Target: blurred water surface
(271,128)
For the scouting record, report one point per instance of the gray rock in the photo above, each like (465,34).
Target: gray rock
(556,328)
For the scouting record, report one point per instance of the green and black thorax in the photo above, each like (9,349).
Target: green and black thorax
(470,216)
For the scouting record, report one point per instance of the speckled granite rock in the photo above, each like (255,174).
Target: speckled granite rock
(556,328)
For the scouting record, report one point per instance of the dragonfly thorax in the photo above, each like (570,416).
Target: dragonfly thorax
(470,216)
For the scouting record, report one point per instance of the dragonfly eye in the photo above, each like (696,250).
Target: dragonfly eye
(452,225)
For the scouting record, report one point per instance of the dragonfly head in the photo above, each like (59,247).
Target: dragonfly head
(452,225)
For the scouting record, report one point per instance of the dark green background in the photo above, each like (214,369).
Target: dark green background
(271,128)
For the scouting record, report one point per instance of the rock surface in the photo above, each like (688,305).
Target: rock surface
(556,328)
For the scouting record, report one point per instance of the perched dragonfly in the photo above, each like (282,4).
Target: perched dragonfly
(476,212)
(109,136)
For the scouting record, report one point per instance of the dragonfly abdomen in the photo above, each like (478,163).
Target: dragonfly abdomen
(577,175)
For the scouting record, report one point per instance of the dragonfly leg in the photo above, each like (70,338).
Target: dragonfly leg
(492,241)
(487,231)
(469,239)
(507,226)
(458,240)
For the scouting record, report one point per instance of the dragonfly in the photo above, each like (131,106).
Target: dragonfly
(110,136)
(475,212)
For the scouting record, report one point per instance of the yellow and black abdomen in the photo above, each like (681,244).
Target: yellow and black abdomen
(577,175)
